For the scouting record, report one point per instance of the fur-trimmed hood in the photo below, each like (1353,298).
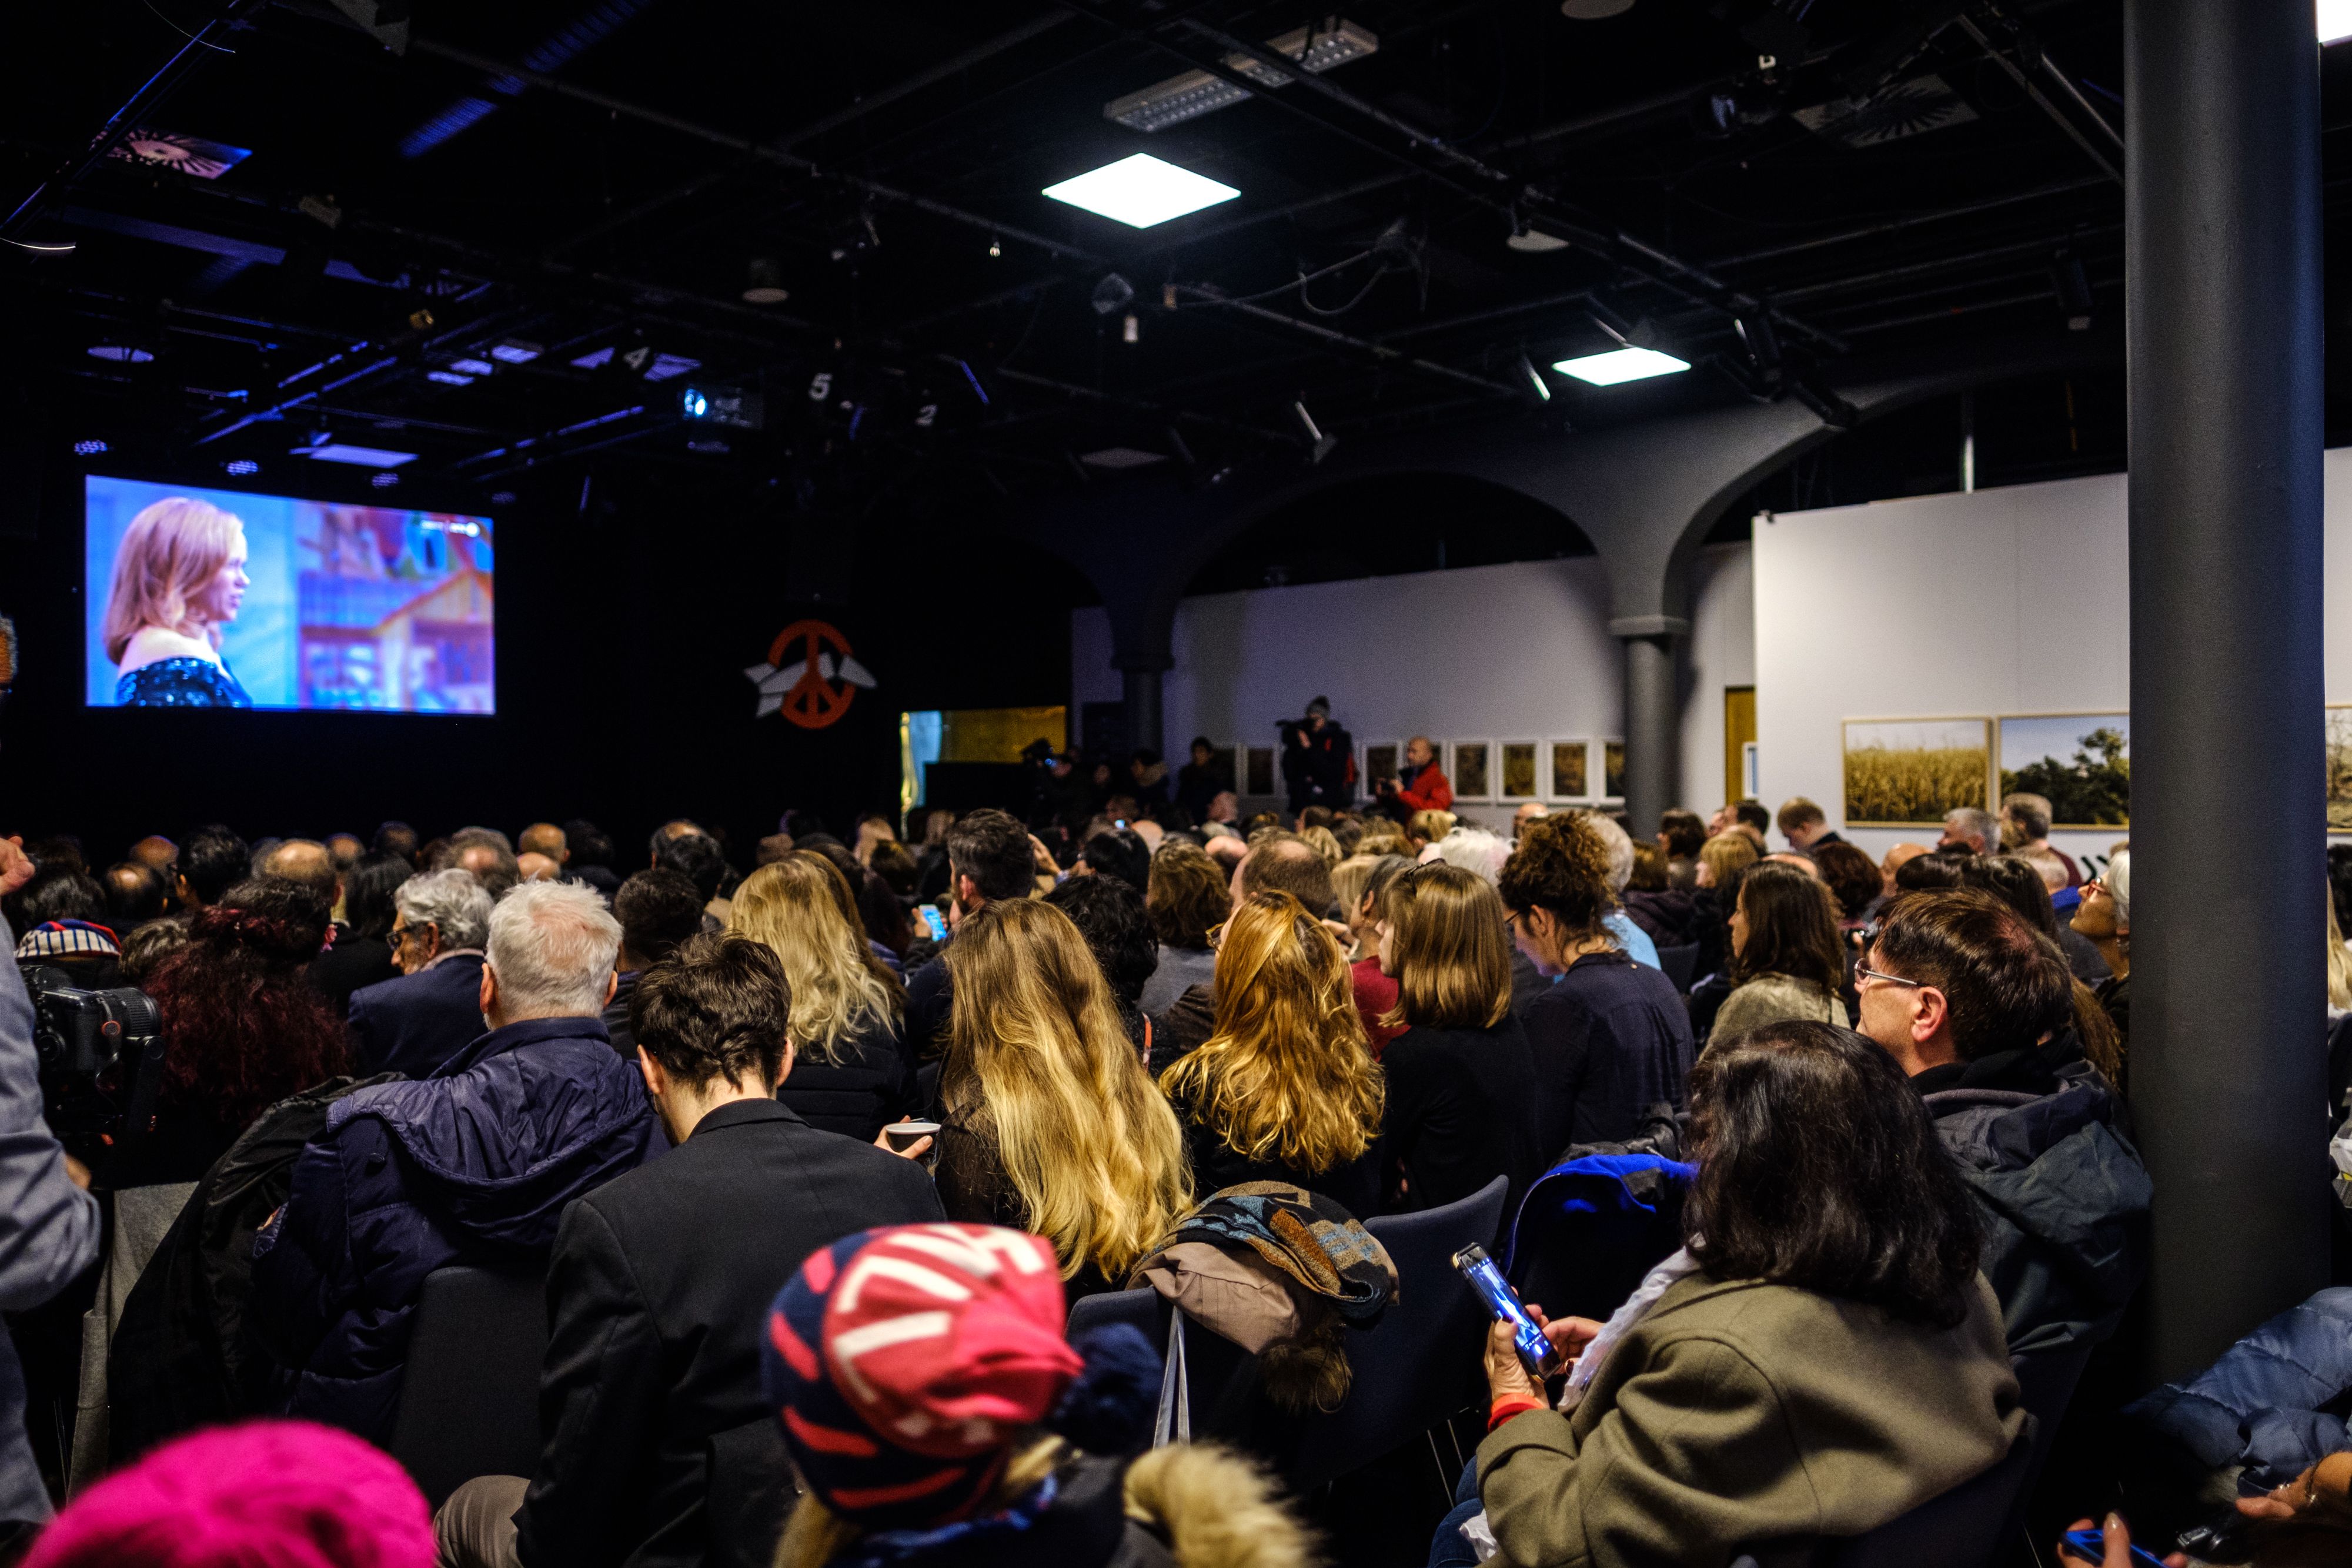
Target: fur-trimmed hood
(1214,1509)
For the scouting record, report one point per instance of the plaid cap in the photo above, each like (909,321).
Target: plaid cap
(1308,1237)
(904,1362)
(68,939)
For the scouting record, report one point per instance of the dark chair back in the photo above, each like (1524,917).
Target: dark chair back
(2046,1384)
(749,1494)
(1680,964)
(1960,1528)
(469,1402)
(1421,1362)
(1139,1309)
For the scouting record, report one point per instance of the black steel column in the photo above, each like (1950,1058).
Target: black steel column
(1142,692)
(2227,1049)
(1653,720)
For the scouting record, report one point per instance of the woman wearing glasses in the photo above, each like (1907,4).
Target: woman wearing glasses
(1461,1090)
(1286,1090)
(1786,961)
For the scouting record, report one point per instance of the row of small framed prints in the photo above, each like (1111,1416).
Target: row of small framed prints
(1480,771)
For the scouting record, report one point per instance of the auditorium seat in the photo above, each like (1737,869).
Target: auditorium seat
(1680,964)
(469,1401)
(1960,1528)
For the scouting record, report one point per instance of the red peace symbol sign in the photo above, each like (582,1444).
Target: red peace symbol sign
(813,701)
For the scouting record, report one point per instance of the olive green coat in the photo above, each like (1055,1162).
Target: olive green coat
(1736,1414)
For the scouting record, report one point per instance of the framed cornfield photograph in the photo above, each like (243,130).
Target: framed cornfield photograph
(1910,772)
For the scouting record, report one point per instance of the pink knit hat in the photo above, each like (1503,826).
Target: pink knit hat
(268,1494)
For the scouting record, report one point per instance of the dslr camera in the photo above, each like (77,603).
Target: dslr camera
(100,1055)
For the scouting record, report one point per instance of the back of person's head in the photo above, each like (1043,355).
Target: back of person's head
(1324,843)
(1090,1145)
(1385,871)
(1314,817)
(657,910)
(1383,837)
(1347,833)
(1820,1168)
(265,1494)
(2014,881)
(1969,823)
(1683,832)
(1935,872)
(242,1027)
(2005,985)
(1649,868)
(772,849)
(716,1008)
(1451,950)
(1285,862)
(212,861)
(1188,895)
(695,856)
(589,844)
(551,949)
(1109,914)
(1287,1076)
(543,838)
(136,894)
(396,839)
(1118,852)
(793,906)
(2053,870)
(1617,842)
(452,902)
(1751,814)
(1349,879)
(1852,877)
(1727,853)
(304,861)
(486,853)
(344,849)
(57,891)
(991,848)
(2024,818)
(145,948)
(1429,827)
(1561,866)
(368,889)
(1474,849)
(1797,813)
(894,862)
(2116,880)
(1791,927)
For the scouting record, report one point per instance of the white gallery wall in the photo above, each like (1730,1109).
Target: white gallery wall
(2013,601)
(1519,652)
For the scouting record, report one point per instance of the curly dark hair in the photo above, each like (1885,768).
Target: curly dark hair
(1852,877)
(242,1027)
(1560,865)
(716,1008)
(1819,1168)
(1109,914)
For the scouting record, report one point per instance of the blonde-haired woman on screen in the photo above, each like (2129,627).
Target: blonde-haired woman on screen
(179,577)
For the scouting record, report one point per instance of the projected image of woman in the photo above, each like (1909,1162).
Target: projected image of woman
(179,577)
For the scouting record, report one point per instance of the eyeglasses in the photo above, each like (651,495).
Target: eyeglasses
(1862,974)
(1217,934)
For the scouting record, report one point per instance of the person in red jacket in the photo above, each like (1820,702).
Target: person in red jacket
(1419,785)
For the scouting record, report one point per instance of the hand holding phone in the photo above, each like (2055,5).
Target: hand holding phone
(1535,1348)
(933,921)
(2086,1543)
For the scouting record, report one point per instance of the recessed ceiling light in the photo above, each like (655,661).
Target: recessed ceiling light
(120,353)
(449,378)
(241,466)
(384,481)
(89,446)
(1140,191)
(515,351)
(363,456)
(1620,365)
(1122,457)
(2335,21)
(472,367)
(503,499)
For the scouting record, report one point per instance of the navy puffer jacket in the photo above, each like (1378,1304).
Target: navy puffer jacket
(473,1165)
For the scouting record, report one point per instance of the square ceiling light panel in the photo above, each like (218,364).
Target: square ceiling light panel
(1620,365)
(1141,191)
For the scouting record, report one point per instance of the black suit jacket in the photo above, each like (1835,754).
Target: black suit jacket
(417,1022)
(657,1295)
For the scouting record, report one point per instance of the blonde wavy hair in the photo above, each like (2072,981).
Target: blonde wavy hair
(170,552)
(1452,950)
(1085,1138)
(788,907)
(1287,1076)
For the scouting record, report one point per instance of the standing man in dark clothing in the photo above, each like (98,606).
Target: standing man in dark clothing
(989,857)
(1200,781)
(1318,760)
(657,1289)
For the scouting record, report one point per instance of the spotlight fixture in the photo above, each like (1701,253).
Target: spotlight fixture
(359,456)
(90,447)
(1541,388)
(995,247)
(2335,21)
(386,480)
(1319,445)
(241,467)
(722,405)
(515,351)
(1113,294)
(765,285)
(1620,365)
(120,353)
(1314,49)
(1140,191)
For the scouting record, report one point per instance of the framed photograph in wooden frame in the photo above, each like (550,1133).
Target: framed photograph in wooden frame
(1613,769)
(1381,759)
(2079,763)
(1910,772)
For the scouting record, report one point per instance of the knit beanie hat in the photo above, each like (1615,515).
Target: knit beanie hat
(266,1494)
(905,1362)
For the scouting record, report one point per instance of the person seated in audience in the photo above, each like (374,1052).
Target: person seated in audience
(588,856)
(1424,829)
(1375,993)
(1110,917)
(60,914)
(1349,879)
(2017,883)
(1115,851)
(546,841)
(2104,917)
(657,910)
(1185,899)
(1533,811)
(655,1312)
(1464,1103)
(1854,881)
(1275,861)
(1611,1039)
(136,894)
(396,839)
(488,856)
(2025,827)
(1805,825)
(241,1027)
(472,1165)
(1007,1444)
(851,1072)
(1978,1009)
(991,857)
(441,920)
(1723,860)
(1420,784)
(1680,834)
(1324,843)
(891,860)
(361,953)
(158,855)
(1970,831)
(1048,1119)
(1786,959)
(1748,817)
(1894,861)
(533,867)
(1822,1358)
(1200,781)
(873,829)
(695,855)
(1932,873)
(144,950)
(1286,1089)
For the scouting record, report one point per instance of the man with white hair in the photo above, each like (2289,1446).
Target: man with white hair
(471,1165)
(420,1020)
(1971,831)
(1617,923)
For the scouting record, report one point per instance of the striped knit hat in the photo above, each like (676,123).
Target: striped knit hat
(905,1363)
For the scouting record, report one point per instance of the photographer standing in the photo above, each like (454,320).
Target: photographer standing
(48,1224)
(1318,760)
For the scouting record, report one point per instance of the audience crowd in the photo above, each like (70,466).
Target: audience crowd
(813,1155)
